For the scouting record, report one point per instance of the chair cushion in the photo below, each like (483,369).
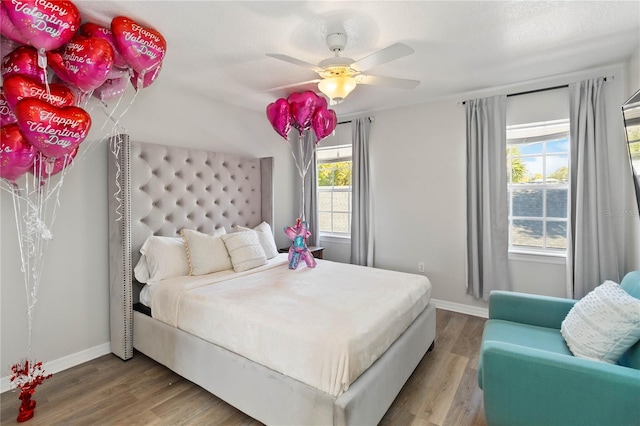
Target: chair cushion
(543,338)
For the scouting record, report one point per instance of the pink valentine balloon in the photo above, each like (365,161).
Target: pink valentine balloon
(44,24)
(302,106)
(45,167)
(8,29)
(84,62)
(143,48)
(6,114)
(53,131)
(323,123)
(144,79)
(23,60)
(111,88)
(279,116)
(93,30)
(16,154)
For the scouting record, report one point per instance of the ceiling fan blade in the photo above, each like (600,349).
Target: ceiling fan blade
(286,86)
(295,61)
(398,83)
(388,54)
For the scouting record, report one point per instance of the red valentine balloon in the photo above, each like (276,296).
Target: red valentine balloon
(84,62)
(16,154)
(93,30)
(6,114)
(18,87)
(53,131)
(23,60)
(323,123)
(279,116)
(46,167)
(44,24)
(144,79)
(143,48)
(303,105)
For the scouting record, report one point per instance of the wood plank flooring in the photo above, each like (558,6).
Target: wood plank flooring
(442,391)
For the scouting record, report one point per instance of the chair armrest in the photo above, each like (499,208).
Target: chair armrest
(527,386)
(542,311)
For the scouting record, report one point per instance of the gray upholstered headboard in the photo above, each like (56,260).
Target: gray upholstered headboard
(158,190)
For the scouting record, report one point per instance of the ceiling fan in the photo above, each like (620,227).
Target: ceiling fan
(340,75)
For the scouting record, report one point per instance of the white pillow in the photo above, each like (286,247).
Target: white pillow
(604,324)
(206,253)
(141,271)
(245,250)
(265,236)
(166,258)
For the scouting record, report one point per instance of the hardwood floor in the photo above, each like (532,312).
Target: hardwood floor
(443,390)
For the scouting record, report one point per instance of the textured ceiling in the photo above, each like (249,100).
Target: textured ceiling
(217,49)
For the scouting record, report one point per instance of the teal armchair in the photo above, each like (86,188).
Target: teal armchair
(530,377)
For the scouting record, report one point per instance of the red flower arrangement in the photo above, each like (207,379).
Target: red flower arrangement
(27,375)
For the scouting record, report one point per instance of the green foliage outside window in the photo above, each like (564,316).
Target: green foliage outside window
(334,174)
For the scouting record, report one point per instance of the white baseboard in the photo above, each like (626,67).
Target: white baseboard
(476,311)
(65,362)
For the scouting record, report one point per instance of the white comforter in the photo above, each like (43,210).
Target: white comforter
(321,326)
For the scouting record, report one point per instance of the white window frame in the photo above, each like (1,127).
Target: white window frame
(332,189)
(536,132)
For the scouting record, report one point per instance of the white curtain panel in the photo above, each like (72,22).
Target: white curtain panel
(487,204)
(361,210)
(592,253)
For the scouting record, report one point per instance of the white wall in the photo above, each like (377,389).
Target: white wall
(71,314)
(418,165)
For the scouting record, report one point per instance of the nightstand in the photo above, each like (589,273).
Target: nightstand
(316,251)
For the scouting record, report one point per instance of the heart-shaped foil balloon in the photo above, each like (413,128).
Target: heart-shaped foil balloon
(45,167)
(7,28)
(6,114)
(144,79)
(84,62)
(323,123)
(53,131)
(18,87)
(302,105)
(44,24)
(16,154)
(94,30)
(142,47)
(279,116)
(23,60)
(111,88)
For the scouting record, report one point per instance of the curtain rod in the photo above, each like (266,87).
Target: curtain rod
(371,118)
(527,92)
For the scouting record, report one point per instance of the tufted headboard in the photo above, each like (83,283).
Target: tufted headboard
(158,190)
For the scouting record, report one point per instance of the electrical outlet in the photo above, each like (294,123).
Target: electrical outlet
(421,267)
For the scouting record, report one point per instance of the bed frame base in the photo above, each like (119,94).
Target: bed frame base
(272,398)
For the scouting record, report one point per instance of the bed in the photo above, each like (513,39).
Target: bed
(157,190)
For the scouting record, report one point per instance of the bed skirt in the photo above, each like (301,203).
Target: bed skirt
(274,399)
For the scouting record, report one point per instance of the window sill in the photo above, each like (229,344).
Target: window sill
(335,238)
(539,257)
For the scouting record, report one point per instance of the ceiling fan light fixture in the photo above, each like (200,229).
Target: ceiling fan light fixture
(337,88)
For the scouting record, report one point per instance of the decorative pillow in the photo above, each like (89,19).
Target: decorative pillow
(245,250)
(206,253)
(166,258)
(604,324)
(265,236)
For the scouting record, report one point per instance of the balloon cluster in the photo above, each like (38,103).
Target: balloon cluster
(42,121)
(303,111)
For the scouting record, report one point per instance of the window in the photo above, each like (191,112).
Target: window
(334,189)
(538,185)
